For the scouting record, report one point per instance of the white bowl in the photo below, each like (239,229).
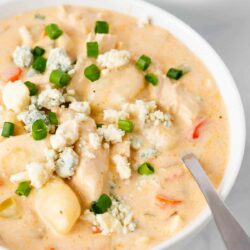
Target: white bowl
(202,50)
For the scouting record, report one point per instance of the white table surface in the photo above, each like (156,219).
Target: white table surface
(225,24)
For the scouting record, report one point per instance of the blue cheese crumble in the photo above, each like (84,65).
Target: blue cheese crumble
(58,59)
(118,219)
(22,56)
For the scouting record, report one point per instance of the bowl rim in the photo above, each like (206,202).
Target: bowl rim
(198,46)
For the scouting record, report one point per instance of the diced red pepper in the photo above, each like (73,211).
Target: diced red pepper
(197,129)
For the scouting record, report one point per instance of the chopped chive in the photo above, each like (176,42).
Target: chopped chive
(101,205)
(101,27)
(92,72)
(92,49)
(59,78)
(32,87)
(151,78)
(146,169)
(53,31)
(174,73)
(38,51)
(39,16)
(99,125)
(125,125)
(52,118)
(39,130)
(143,62)
(39,64)
(8,129)
(23,188)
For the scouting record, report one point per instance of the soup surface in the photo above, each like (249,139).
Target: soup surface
(97,109)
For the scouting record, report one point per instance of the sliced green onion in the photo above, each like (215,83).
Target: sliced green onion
(146,169)
(143,62)
(52,118)
(59,78)
(8,129)
(174,73)
(38,51)
(151,78)
(39,64)
(39,130)
(53,31)
(32,87)
(101,205)
(92,72)
(101,27)
(92,49)
(125,125)
(99,125)
(39,16)
(23,188)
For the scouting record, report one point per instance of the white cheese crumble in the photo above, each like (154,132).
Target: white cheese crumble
(114,59)
(111,133)
(148,153)
(118,219)
(95,141)
(85,149)
(38,173)
(122,166)
(67,163)
(32,114)
(66,135)
(112,115)
(147,112)
(81,107)
(50,98)
(22,56)
(141,108)
(159,117)
(51,156)
(16,96)
(136,142)
(19,177)
(58,59)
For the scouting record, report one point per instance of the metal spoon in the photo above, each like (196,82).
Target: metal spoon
(233,235)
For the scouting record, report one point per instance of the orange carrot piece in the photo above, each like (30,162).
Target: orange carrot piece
(11,74)
(164,200)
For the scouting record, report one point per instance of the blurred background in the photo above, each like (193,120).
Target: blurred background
(225,24)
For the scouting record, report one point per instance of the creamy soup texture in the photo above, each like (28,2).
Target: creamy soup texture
(97,109)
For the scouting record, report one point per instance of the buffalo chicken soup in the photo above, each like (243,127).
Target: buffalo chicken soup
(97,109)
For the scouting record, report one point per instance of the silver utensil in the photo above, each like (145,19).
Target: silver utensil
(233,235)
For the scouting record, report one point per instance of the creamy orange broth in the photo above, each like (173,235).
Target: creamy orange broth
(193,97)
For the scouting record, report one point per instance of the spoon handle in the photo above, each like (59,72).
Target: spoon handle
(232,233)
